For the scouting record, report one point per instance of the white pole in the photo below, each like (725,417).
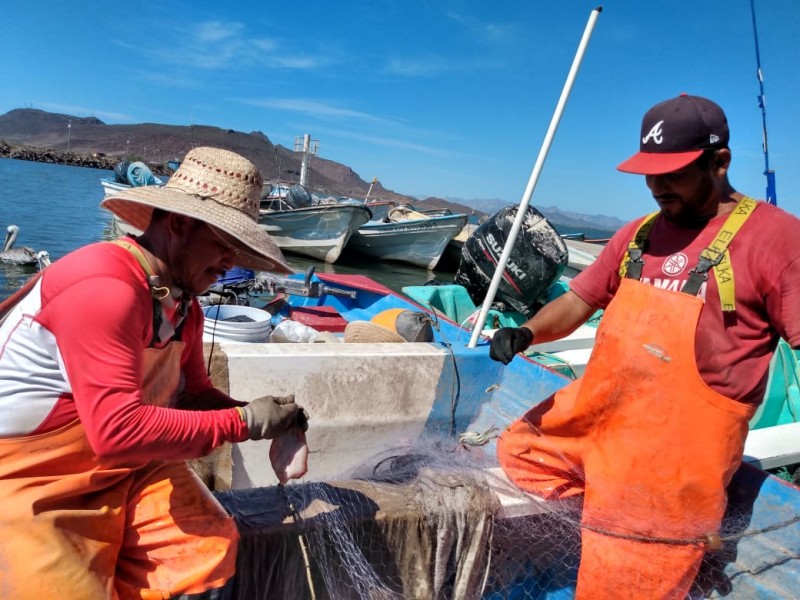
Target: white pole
(369,191)
(304,162)
(537,168)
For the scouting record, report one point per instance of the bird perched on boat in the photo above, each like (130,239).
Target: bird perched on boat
(22,255)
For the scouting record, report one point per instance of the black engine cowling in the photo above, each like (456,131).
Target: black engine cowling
(537,260)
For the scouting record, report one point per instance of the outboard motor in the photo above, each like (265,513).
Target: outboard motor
(298,197)
(537,260)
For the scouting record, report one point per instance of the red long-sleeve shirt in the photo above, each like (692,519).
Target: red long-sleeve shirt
(73,348)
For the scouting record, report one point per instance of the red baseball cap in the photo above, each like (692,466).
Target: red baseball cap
(675,133)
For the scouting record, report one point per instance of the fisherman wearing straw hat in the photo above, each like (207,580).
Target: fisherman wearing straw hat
(696,297)
(104,392)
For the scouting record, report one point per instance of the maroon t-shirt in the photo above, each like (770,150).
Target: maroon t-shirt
(733,350)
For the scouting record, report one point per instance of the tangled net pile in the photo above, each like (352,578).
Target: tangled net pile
(436,521)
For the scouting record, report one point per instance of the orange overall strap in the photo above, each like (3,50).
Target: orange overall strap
(631,265)
(717,255)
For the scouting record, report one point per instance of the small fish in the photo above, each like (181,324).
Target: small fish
(288,455)
(473,438)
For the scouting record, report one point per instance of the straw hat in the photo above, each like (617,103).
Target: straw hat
(212,185)
(392,325)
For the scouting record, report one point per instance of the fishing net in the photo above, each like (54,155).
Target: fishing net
(439,520)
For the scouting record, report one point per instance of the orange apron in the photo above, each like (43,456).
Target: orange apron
(73,526)
(650,445)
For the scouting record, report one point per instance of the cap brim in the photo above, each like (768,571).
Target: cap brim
(257,250)
(655,163)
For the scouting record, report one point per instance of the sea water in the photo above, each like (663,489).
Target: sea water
(57,208)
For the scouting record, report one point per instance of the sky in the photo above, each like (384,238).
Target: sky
(447,98)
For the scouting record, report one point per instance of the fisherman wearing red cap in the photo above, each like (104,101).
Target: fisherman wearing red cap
(696,296)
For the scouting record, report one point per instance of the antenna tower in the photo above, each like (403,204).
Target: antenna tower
(772,197)
(308,147)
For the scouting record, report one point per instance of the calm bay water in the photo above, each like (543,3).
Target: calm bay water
(57,209)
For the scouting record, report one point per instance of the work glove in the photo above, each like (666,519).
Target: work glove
(507,341)
(269,416)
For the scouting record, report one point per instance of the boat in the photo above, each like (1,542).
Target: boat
(452,252)
(127,175)
(380,209)
(581,253)
(408,236)
(403,490)
(774,429)
(317,228)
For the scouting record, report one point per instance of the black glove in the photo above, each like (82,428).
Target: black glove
(507,341)
(269,416)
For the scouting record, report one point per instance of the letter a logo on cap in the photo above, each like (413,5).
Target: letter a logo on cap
(655,134)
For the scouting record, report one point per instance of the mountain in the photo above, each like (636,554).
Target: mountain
(564,221)
(155,144)
(88,141)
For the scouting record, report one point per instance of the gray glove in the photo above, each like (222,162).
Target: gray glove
(269,416)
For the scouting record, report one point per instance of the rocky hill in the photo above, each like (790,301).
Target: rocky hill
(70,137)
(31,134)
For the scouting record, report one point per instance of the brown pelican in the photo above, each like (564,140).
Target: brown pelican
(43,257)
(16,256)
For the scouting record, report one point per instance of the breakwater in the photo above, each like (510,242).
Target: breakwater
(63,157)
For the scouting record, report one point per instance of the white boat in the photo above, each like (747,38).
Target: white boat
(581,254)
(126,176)
(303,223)
(129,174)
(408,236)
(453,250)
(112,186)
(320,231)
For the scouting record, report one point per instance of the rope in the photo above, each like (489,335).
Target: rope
(300,538)
(713,541)
(455,386)
(213,335)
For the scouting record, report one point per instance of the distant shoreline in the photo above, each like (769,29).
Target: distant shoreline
(61,157)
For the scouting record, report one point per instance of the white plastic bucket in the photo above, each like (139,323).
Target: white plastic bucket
(236,323)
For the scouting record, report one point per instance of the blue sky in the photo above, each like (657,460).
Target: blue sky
(451,98)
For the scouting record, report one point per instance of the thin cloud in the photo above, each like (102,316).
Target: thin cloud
(395,143)
(170,80)
(311,107)
(82,111)
(483,30)
(434,66)
(390,142)
(217,45)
